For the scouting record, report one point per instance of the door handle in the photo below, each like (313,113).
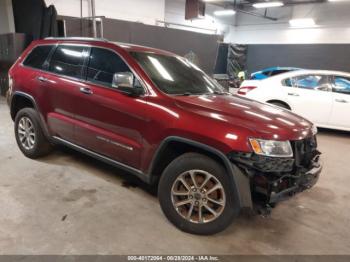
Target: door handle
(86,90)
(293,94)
(341,101)
(42,79)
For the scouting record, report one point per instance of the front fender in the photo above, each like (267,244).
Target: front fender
(239,180)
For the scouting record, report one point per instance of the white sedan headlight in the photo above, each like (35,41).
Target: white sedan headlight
(271,148)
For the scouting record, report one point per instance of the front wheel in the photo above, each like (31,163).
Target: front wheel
(196,195)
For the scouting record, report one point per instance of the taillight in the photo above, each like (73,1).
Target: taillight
(245,89)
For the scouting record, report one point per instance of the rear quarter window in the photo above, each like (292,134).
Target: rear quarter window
(38,56)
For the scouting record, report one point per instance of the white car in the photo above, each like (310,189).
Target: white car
(321,96)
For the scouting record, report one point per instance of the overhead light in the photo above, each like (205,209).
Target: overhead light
(225,12)
(302,22)
(268,4)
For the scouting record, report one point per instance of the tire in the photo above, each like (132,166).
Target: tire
(31,140)
(201,167)
(279,104)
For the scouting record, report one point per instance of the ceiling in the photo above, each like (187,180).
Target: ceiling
(249,3)
(246,6)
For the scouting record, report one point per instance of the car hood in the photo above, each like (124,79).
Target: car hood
(265,121)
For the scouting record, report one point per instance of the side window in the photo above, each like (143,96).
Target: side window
(37,56)
(341,85)
(103,64)
(312,82)
(287,82)
(68,60)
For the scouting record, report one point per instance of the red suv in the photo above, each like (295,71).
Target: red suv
(161,118)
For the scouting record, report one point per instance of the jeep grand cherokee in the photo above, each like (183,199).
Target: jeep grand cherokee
(161,118)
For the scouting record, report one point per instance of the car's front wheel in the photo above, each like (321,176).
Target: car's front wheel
(196,195)
(29,135)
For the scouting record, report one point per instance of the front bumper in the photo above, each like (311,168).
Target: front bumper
(303,181)
(272,180)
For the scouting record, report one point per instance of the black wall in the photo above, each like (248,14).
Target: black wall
(28,16)
(308,56)
(221,60)
(34,19)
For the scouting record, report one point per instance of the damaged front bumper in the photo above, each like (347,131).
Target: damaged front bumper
(281,190)
(272,179)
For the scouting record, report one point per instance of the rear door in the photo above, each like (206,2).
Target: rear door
(109,122)
(62,82)
(310,96)
(341,102)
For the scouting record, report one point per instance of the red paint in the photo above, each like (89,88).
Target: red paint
(142,123)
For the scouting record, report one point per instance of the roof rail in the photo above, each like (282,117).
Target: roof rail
(77,38)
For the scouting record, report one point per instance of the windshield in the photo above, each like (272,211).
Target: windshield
(175,75)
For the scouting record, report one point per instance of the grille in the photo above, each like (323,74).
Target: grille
(304,151)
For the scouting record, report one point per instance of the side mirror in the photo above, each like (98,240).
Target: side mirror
(124,82)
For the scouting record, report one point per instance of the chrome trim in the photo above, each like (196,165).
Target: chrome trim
(97,155)
(115,143)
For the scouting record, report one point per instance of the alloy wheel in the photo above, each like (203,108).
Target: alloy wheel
(198,196)
(26,133)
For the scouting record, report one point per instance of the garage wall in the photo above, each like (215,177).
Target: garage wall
(136,10)
(151,12)
(203,46)
(316,56)
(332,20)
(6,17)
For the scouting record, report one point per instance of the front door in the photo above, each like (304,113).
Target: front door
(108,121)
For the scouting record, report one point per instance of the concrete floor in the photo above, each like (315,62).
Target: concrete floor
(68,203)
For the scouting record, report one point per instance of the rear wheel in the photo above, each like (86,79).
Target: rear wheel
(196,195)
(29,136)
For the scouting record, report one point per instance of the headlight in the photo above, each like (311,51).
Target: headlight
(314,129)
(271,148)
